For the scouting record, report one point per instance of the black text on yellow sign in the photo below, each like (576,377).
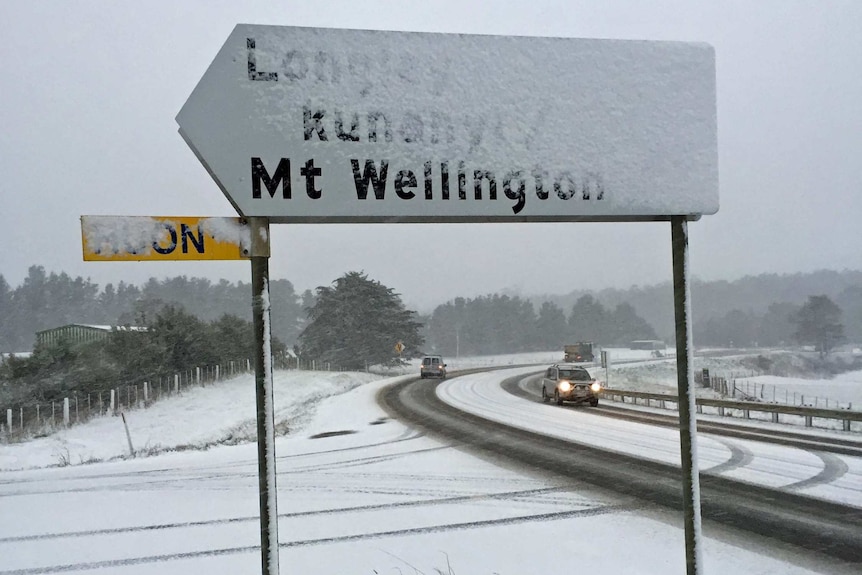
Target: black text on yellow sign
(161,238)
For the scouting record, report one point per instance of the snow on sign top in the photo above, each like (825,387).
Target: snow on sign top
(328,125)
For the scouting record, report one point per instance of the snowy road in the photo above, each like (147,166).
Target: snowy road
(357,493)
(828,476)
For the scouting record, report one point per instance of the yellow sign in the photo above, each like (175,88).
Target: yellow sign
(399,347)
(160,238)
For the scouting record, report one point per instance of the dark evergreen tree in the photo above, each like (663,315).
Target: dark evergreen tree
(818,322)
(850,302)
(551,327)
(288,316)
(626,326)
(233,338)
(6,333)
(588,321)
(776,325)
(446,328)
(485,325)
(357,322)
(182,340)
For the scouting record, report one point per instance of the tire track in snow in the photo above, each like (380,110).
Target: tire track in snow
(357,509)
(569,514)
(408,435)
(833,469)
(739,457)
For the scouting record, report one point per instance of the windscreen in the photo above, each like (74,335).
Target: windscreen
(574,375)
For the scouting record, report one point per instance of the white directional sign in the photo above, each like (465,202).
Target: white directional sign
(326,125)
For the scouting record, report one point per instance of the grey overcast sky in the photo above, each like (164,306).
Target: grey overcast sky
(89,92)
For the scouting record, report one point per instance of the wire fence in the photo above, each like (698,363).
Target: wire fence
(740,386)
(25,421)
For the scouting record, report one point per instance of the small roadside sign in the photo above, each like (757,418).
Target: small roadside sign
(399,347)
(160,238)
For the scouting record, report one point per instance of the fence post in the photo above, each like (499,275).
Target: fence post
(65,412)
(77,419)
(113,401)
(9,420)
(216,373)
(38,419)
(146,392)
(198,375)
(176,383)
(248,365)
(128,435)
(21,418)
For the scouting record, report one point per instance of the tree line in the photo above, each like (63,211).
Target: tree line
(172,341)
(353,324)
(497,324)
(494,323)
(755,308)
(45,301)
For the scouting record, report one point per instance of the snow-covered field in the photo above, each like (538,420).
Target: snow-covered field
(357,493)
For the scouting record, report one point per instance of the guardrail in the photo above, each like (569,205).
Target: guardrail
(727,408)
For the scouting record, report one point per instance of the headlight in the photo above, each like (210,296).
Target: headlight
(565,386)
(596,387)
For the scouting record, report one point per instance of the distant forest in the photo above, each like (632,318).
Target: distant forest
(751,311)
(755,310)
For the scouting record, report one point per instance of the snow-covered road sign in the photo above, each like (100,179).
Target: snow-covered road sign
(158,238)
(332,125)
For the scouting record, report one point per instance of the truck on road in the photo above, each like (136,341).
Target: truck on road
(581,351)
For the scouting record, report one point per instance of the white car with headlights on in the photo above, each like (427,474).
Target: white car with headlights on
(569,382)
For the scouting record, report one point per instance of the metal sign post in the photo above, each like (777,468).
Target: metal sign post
(263,394)
(606,363)
(685,376)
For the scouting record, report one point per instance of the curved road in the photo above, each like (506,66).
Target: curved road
(576,444)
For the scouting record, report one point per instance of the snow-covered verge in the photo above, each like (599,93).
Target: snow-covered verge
(201,417)
(224,413)
(367,496)
(754,374)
